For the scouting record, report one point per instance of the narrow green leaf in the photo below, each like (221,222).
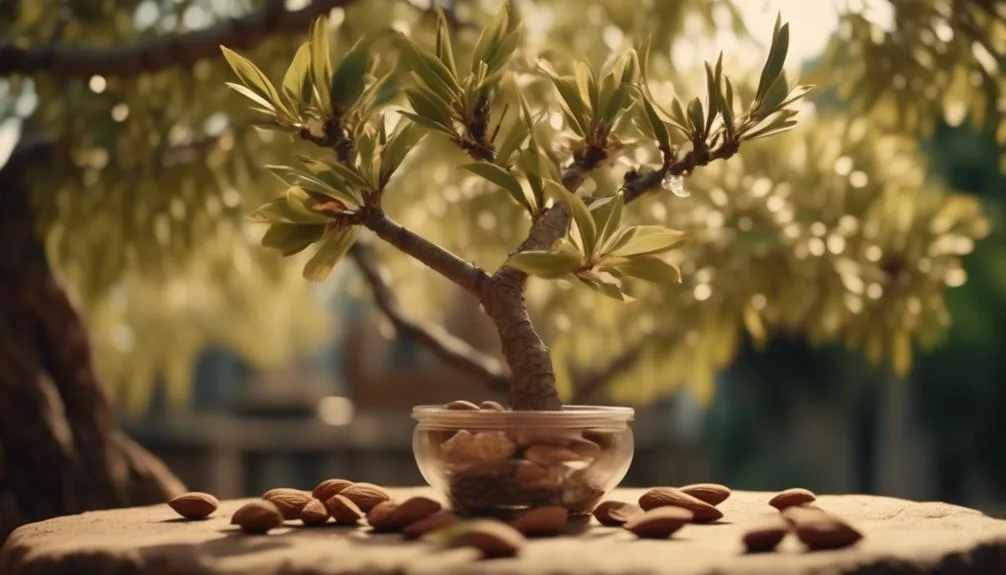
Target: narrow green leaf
(296,85)
(771,130)
(618,240)
(504,52)
(490,37)
(321,64)
(252,77)
(605,286)
(570,93)
(607,218)
(728,105)
(290,239)
(265,106)
(796,94)
(776,58)
(586,86)
(773,98)
(656,124)
(431,70)
(333,247)
(696,117)
(402,141)
(514,139)
(348,80)
(546,264)
(426,103)
(578,209)
(712,98)
(678,115)
(651,269)
(650,239)
(279,210)
(427,123)
(501,178)
(444,50)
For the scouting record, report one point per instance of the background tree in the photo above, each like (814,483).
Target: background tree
(141,169)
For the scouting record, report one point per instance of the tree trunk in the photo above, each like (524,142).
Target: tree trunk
(60,449)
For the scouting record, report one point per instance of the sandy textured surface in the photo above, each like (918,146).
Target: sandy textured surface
(901,537)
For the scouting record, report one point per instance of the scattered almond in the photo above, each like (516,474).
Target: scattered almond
(820,530)
(490,405)
(544,521)
(664,496)
(461,405)
(365,495)
(791,497)
(330,488)
(290,502)
(660,522)
(765,536)
(550,454)
(711,493)
(491,537)
(343,510)
(257,517)
(314,513)
(379,515)
(429,524)
(388,516)
(194,505)
(616,512)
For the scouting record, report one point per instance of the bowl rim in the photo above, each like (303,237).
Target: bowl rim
(568,416)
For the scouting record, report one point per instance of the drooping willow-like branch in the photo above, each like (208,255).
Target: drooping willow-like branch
(452,350)
(168,50)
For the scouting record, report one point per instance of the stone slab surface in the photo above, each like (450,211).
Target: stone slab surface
(901,537)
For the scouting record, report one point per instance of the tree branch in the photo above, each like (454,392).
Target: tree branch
(595,381)
(452,350)
(175,49)
(440,260)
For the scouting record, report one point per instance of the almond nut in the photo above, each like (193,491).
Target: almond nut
(820,530)
(659,523)
(290,502)
(257,517)
(765,536)
(791,497)
(401,515)
(461,405)
(429,524)
(486,446)
(365,495)
(662,496)
(314,513)
(491,537)
(329,488)
(585,448)
(527,472)
(541,521)
(616,512)
(711,493)
(343,510)
(379,515)
(550,454)
(194,505)
(491,406)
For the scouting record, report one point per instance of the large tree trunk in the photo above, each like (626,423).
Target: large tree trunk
(60,449)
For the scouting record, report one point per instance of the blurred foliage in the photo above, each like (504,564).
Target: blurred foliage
(830,231)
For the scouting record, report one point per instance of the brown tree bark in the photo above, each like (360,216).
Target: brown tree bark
(61,451)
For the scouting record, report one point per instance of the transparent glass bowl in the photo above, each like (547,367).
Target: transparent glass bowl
(486,462)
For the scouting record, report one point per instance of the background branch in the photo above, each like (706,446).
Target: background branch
(168,50)
(595,381)
(452,350)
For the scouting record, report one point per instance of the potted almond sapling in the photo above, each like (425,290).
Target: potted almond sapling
(364,115)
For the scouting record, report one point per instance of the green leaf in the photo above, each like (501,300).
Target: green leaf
(772,101)
(401,143)
(253,78)
(427,123)
(279,210)
(266,106)
(618,240)
(712,95)
(426,103)
(776,58)
(444,50)
(696,117)
(514,139)
(504,52)
(568,90)
(321,64)
(581,215)
(651,269)
(296,84)
(490,37)
(332,248)
(501,178)
(348,80)
(431,70)
(292,238)
(586,86)
(546,264)
(606,286)
(608,217)
(656,124)
(649,239)
(728,105)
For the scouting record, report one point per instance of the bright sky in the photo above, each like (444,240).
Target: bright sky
(811,22)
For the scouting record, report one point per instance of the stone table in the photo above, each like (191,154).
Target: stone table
(901,537)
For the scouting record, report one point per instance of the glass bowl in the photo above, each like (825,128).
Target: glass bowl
(486,462)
